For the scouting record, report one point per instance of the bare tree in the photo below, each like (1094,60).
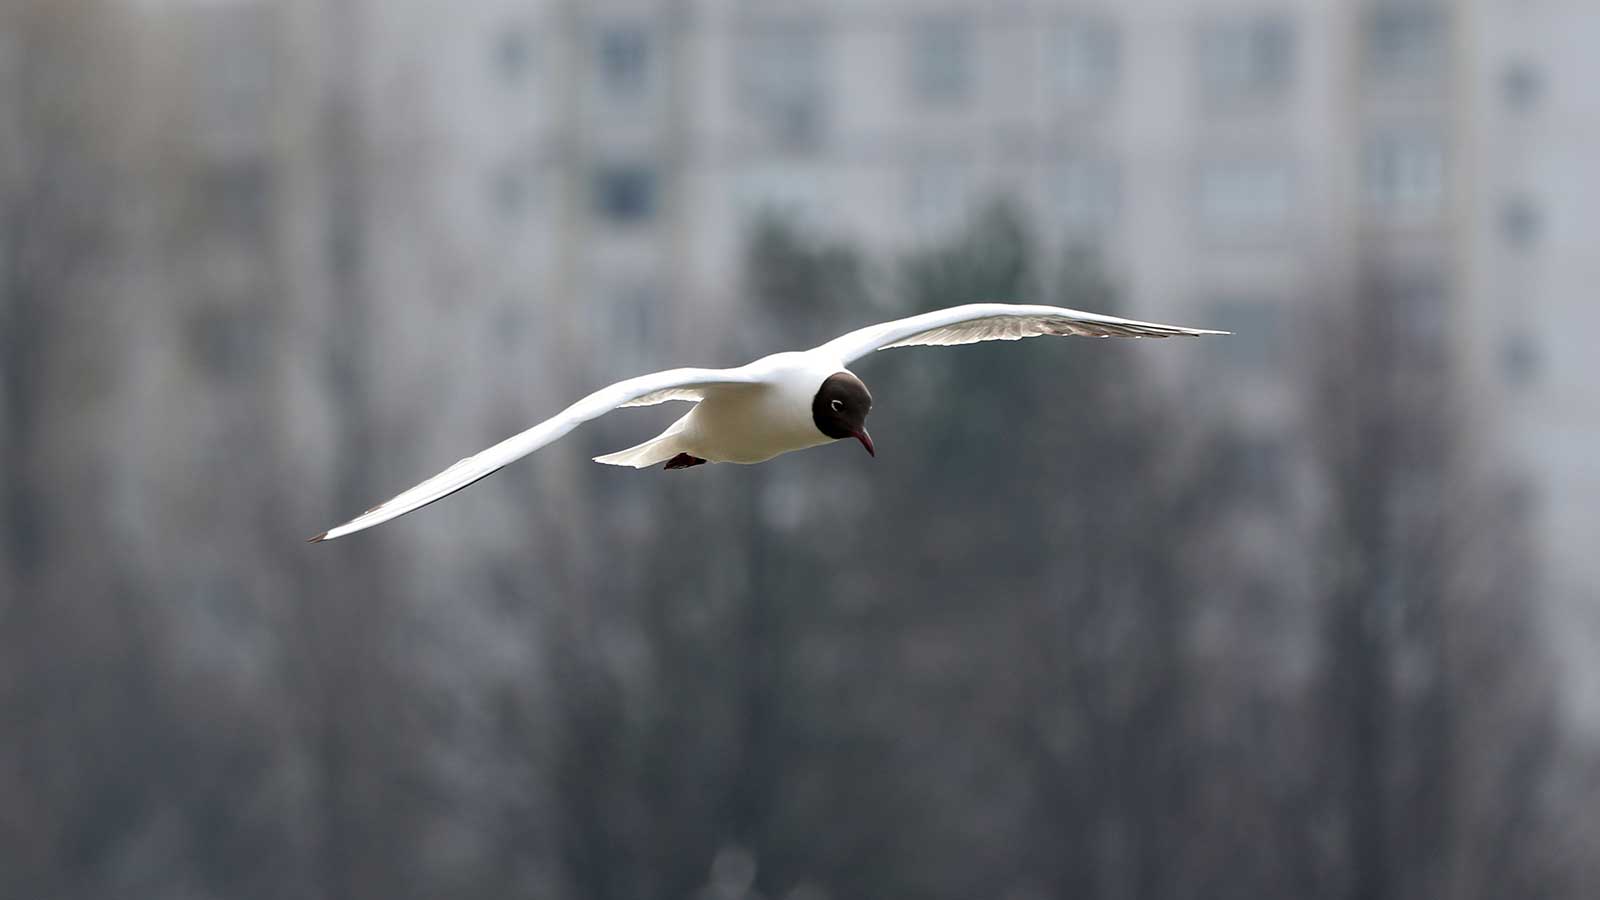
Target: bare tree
(1428,640)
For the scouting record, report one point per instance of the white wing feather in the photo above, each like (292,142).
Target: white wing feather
(991,322)
(659,387)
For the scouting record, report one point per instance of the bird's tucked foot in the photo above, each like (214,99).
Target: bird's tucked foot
(684,461)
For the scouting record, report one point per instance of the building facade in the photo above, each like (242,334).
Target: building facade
(539,174)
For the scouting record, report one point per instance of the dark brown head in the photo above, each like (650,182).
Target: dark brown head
(840,409)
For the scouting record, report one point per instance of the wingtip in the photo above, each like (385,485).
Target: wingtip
(317,539)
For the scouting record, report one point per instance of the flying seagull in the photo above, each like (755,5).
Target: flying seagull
(783,402)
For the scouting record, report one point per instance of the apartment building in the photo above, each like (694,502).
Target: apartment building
(541,172)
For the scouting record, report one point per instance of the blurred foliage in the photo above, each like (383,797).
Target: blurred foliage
(1063,637)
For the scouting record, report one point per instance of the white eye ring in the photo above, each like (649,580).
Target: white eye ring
(837,405)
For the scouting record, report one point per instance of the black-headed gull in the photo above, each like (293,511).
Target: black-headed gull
(783,402)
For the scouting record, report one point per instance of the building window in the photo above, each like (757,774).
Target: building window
(1521,85)
(1258,338)
(1246,58)
(782,86)
(941,61)
(1245,196)
(622,54)
(1085,195)
(1405,175)
(1520,222)
(1405,42)
(625,195)
(513,55)
(1083,60)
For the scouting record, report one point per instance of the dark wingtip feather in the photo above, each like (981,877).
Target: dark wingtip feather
(317,539)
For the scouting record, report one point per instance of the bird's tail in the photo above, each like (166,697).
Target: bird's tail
(660,448)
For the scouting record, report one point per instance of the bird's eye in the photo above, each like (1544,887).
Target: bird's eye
(838,406)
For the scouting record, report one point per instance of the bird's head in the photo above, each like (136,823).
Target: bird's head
(840,409)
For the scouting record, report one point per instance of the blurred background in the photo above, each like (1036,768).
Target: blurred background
(1311,611)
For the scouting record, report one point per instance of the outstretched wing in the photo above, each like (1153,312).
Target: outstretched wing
(976,322)
(659,387)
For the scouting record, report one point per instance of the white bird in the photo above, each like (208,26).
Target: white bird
(783,402)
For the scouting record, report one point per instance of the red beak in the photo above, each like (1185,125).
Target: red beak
(866,441)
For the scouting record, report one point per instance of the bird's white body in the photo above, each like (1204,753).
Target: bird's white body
(745,423)
(754,412)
